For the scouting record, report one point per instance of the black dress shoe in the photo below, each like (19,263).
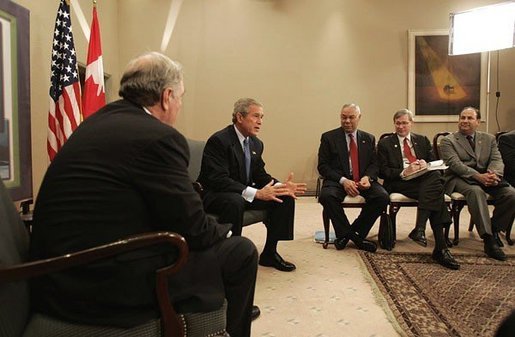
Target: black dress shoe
(275,260)
(445,258)
(255,312)
(366,245)
(341,243)
(498,239)
(361,243)
(418,236)
(492,249)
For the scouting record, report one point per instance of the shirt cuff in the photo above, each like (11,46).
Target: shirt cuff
(249,194)
(342,179)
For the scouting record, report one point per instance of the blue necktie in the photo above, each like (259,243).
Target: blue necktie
(246,152)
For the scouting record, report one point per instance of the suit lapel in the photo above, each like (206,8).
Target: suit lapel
(238,153)
(416,146)
(396,150)
(479,144)
(465,144)
(363,143)
(341,146)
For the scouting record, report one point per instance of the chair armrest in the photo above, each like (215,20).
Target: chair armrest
(32,269)
(170,323)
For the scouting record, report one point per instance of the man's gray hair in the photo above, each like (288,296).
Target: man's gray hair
(146,76)
(241,107)
(353,106)
(403,112)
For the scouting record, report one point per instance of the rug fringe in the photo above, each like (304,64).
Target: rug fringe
(380,299)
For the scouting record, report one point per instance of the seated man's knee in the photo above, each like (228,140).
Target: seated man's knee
(327,196)
(245,249)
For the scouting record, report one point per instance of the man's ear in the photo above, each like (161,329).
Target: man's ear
(165,98)
(239,117)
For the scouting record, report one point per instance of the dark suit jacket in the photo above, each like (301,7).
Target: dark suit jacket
(390,156)
(223,164)
(121,172)
(507,149)
(333,156)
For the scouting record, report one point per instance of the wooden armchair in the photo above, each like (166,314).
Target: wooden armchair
(196,151)
(17,318)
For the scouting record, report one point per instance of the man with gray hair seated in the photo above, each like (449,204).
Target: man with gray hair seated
(348,162)
(124,171)
(405,153)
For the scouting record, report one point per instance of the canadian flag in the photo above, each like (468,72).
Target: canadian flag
(94,91)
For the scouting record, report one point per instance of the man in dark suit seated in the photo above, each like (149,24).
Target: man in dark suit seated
(507,149)
(234,179)
(124,171)
(476,167)
(347,160)
(406,152)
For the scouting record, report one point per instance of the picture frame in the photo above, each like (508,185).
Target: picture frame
(440,85)
(15,129)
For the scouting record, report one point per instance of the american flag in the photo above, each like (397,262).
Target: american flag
(65,105)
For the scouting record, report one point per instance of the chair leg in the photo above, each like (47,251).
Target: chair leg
(317,189)
(457,207)
(394,209)
(325,220)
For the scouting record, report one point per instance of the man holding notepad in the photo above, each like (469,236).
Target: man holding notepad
(404,155)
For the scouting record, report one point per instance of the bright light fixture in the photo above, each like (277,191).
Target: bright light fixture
(482,29)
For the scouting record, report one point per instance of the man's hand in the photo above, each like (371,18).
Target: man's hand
(294,188)
(417,165)
(350,187)
(364,183)
(272,192)
(489,178)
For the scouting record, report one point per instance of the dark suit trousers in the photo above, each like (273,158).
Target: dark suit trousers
(428,190)
(231,266)
(229,208)
(331,197)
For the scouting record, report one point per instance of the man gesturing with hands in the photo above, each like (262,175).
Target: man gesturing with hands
(234,179)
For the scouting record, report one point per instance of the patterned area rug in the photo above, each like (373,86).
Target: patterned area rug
(429,300)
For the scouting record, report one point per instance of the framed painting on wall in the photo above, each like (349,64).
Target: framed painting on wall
(15,133)
(440,85)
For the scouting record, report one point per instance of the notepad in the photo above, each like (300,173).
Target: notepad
(431,166)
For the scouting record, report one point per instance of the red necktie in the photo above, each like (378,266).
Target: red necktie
(353,149)
(407,152)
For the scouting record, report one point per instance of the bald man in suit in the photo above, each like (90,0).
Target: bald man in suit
(350,172)
(476,167)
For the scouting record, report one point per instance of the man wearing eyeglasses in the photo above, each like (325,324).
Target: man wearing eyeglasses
(347,161)
(402,154)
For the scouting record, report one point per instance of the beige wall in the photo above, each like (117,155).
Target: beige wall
(302,58)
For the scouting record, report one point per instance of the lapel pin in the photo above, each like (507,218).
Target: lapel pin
(395,145)
(253,152)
